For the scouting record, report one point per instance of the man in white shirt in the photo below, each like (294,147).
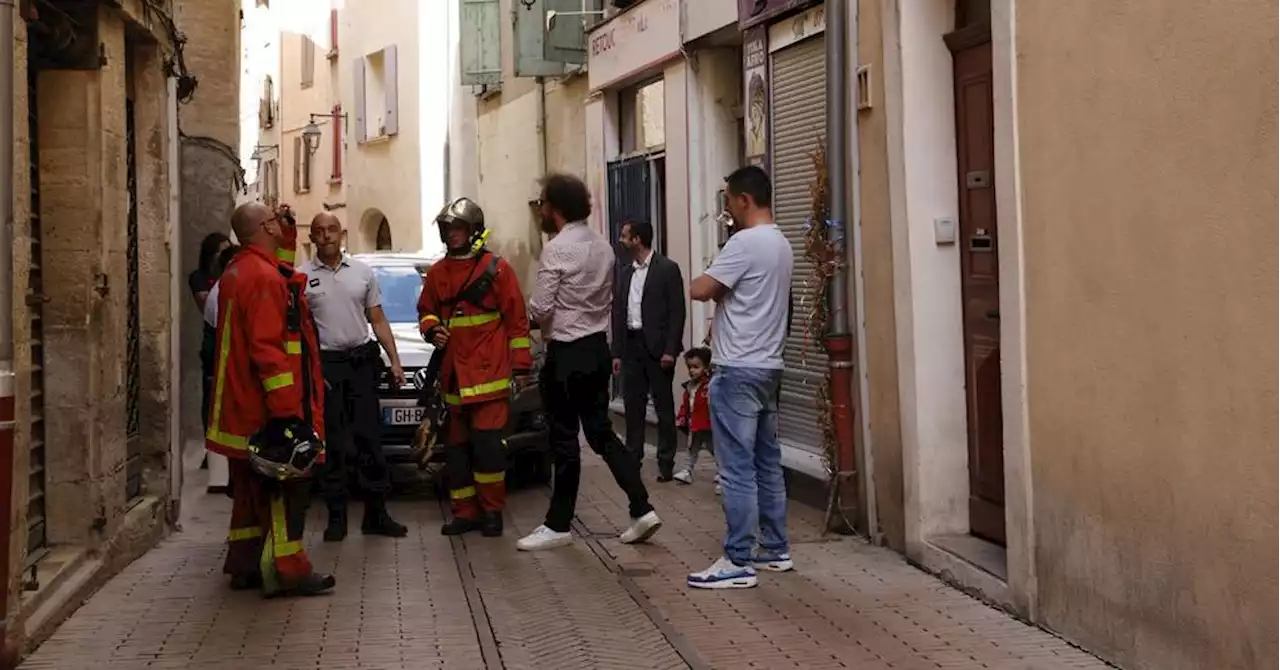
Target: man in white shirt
(571,302)
(750,281)
(648,334)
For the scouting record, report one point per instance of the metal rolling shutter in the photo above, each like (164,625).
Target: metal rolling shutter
(799,125)
(37,534)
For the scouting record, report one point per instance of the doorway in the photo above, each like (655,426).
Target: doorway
(970,47)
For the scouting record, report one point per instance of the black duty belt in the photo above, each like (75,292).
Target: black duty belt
(365,353)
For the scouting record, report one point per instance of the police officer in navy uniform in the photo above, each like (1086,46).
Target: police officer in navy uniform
(344,297)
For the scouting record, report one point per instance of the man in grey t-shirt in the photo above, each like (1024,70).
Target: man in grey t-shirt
(750,281)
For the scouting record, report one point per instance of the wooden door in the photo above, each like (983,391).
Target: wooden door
(980,280)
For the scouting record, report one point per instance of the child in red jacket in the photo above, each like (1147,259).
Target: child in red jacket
(694,418)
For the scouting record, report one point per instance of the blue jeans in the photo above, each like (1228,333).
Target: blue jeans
(744,427)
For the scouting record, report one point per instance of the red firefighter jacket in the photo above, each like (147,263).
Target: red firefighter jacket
(263,322)
(487,342)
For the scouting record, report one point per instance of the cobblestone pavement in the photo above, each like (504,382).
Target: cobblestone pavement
(426,601)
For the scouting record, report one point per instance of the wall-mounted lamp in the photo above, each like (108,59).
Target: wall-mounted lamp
(260,149)
(311,133)
(552,14)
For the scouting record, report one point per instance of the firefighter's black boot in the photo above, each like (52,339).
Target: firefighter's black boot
(378,522)
(313,584)
(491,524)
(336,531)
(460,526)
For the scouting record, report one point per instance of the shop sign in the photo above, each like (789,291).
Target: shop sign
(755,71)
(631,42)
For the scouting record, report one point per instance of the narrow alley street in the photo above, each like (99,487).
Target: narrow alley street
(426,602)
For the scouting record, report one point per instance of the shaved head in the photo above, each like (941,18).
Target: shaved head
(326,236)
(247,221)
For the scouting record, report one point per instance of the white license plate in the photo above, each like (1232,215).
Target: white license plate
(403,416)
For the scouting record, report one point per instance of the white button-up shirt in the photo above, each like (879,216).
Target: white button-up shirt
(636,292)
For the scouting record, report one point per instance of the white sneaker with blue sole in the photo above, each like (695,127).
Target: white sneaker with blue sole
(773,563)
(724,574)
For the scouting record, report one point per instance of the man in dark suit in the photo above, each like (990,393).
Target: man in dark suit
(648,329)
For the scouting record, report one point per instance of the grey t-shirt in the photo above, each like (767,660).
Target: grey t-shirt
(338,298)
(751,320)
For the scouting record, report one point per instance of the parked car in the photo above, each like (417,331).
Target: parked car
(400,278)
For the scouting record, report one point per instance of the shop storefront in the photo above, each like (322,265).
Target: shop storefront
(784,66)
(663,127)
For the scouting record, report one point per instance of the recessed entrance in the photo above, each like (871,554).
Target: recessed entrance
(970,46)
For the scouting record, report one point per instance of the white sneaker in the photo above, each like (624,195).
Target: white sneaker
(684,477)
(724,574)
(773,562)
(544,538)
(641,529)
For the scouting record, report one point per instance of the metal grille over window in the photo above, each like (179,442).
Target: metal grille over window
(799,125)
(133,467)
(36,533)
(629,198)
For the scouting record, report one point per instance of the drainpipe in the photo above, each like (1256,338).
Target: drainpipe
(8,654)
(839,340)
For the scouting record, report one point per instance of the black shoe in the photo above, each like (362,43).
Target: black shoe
(246,582)
(491,524)
(665,477)
(313,584)
(460,526)
(336,531)
(378,522)
(214,490)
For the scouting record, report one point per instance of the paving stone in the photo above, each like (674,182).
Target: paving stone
(426,601)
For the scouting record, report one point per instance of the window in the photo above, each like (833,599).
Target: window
(377,100)
(641,117)
(400,287)
(266,107)
(301,166)
(308,62)
(270,187)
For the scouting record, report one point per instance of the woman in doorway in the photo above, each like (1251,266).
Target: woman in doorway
(201,281)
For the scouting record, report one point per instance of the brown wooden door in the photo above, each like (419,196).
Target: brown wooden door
(980,282)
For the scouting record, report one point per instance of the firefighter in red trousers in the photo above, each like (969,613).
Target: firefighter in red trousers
(267,412)
(471,306)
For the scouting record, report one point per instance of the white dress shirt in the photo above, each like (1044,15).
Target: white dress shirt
(636,292)
(211,307)
(573,296)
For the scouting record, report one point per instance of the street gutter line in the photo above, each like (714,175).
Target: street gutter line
(475,602)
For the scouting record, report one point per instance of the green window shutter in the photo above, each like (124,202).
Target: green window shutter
(530,18)
(566,42)
(480,42)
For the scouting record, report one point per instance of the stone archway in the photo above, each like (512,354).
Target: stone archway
(375,230)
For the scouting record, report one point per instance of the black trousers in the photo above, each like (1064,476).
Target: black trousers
(575,391)
(353,424)
(642,376)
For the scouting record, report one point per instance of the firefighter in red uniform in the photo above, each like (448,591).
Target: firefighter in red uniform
(471,306)
(267,412)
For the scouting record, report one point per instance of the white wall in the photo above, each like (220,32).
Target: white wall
(926,276)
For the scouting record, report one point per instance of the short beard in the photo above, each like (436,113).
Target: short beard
(548,226)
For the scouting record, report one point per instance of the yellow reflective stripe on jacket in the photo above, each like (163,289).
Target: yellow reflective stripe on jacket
(489,477)
(277,382)
(240,534)
(286,255)
(429,320)
(451,399)
(474,320)
(293,347)
(519,343)
(215,434)
(463,493)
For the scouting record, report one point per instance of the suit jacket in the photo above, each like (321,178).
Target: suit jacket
(662,308)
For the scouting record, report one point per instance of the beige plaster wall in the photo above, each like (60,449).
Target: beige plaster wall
(877,260)
(1147,139)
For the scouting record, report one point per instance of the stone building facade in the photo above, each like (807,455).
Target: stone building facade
(99,280)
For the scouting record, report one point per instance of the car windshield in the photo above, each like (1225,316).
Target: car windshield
(400,287)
